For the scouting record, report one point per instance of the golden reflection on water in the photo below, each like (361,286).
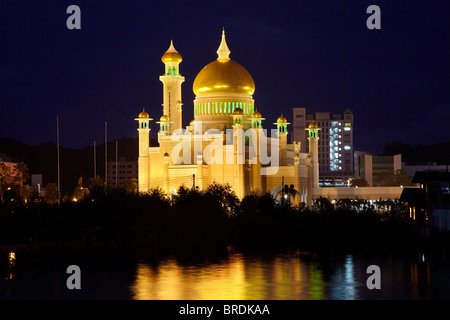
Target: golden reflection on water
(237,278)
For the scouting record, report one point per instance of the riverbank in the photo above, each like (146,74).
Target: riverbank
(210,221)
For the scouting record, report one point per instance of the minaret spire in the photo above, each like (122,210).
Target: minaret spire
(171,47)
(223,52)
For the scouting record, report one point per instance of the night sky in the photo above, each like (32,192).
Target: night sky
(314,54)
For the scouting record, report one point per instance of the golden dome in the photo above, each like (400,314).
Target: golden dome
(281,119)
(164,118)
(223,75)
(144,114)
(312,125)
(256,114)
(171,55)
(238,111)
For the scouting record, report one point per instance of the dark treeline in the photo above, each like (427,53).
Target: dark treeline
(74,163)
(212,218)
(419,154)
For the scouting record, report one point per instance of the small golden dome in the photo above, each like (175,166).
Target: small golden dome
(281,119)
(164,118)
(238,111)
(171,55)
(312,125)
(144,114)
(256,114)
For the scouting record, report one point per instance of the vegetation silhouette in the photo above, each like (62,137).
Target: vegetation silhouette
(192,219)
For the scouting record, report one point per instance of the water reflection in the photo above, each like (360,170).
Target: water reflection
(281,277)
(234,276)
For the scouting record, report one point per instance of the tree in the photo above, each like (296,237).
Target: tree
(359,183)
(4,172)
(80,192)
(323,205)
(225,195)
(130,185)
(51,193)
(22,175)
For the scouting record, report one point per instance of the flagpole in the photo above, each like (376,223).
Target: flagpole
(57,148)
(117,166)
(106,154)
(95,163)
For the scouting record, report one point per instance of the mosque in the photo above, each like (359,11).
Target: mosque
(226,142)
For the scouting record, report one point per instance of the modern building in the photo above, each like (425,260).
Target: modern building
(120,172)
(429,205)
(431,166)
(335,144)
(228,143)
(372,168)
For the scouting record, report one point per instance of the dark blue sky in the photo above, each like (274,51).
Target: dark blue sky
(314,54)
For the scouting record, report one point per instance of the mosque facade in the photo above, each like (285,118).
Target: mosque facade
(227,142)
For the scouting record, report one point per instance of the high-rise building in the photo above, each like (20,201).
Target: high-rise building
(335,146)
(120,172)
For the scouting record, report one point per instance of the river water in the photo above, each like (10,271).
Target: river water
(40,273)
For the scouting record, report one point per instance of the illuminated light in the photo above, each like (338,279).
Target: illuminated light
(347,129)
(347,147)
(12,256)
(348,124)
(74,199)
(219,86)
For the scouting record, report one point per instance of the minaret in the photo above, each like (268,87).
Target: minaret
(256,125)
(144,145)
(313,138)
(282,136)
(238,152)
(172,80)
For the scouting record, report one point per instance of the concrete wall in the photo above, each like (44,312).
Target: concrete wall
(367,193)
